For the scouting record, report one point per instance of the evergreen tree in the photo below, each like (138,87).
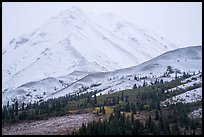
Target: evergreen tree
(169,70)
(5,116)
(7,104)
(158,105)
(126,98)
(149,122)
(12,112)
(127,107)
(122,96)
(144,84)
(95,99)
(103,110)
(156,81)
(133,108)
(24,115)
(161,81)
(157,114)
(117,100)
(135,86)
(114,101)
(16,108)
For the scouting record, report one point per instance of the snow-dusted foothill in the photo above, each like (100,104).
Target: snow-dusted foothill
(146,72)
(190,59)
(189,82)
(186,97)
(196,113)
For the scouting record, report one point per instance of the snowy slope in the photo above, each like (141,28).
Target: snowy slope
(187,97)
(37,90)
(190,60)
(196,113)
(193,80)
(73,41)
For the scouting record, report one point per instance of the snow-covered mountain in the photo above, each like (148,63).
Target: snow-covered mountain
(187,59)
(73,42)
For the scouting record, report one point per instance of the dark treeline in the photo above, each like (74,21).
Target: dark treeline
(170,120)
(42,110)
(117,124)
(175,122)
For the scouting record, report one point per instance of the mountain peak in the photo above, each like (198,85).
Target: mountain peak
(74,41)
(72,11)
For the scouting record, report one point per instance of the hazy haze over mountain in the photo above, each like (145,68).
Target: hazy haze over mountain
(179,22)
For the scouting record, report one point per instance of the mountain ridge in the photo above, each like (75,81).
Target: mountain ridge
(182,60)
(73,41)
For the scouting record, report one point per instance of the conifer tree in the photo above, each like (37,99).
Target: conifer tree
(122,96)
(156,114)
(16,108)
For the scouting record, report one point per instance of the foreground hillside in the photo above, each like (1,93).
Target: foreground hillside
(146,106)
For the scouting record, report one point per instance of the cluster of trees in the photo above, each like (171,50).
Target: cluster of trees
(101,111)
(111,101)
(42,110)
(172,122)
(13,113)
(119,124)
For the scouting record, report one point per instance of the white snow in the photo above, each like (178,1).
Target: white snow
(73,50)
(196,113)
(196,79)
(193,78)
(187,97)
(73,41)
(109,81)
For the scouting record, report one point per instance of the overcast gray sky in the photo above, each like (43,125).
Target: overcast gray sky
(181,23)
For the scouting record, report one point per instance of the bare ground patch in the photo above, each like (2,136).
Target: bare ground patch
(53,126)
